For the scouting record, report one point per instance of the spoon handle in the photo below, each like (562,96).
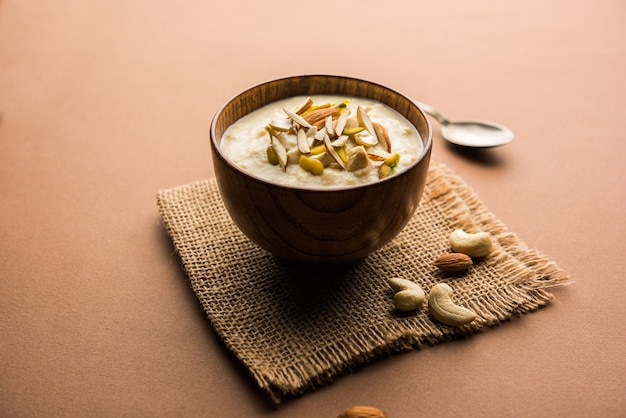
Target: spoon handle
(433,112)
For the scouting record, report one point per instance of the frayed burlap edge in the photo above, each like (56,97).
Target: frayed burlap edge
(528,277)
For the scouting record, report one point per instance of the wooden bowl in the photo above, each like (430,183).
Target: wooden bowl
(313,226)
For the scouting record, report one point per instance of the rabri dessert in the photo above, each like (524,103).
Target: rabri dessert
(322,142)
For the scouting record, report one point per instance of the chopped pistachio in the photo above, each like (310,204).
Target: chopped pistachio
(271,156)
(385,170)
(393,160)
(352,131)
(343,154)
(318,149)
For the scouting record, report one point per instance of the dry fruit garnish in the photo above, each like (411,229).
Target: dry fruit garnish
(389,166)
(330,135)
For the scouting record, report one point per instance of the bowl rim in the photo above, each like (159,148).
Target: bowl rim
(216,148)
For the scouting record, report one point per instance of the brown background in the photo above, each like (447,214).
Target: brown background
(105,102)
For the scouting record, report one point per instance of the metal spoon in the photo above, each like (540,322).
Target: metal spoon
(477,134)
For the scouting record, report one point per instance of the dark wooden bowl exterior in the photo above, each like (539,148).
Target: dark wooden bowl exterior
(319,226)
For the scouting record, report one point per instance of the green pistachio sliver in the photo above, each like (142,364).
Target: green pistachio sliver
(343,154)
(271,156)
(393,160)
(385,171)
(352,131)
(318,149)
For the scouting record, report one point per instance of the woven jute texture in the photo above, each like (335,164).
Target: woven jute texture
(298,329)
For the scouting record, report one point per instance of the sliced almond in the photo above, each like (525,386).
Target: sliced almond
(297,118)
(281,125)
(341,141)
(383,136)
(320,134)
(364,120)
(311,132)
(280,151)
(375,157)
(283,138)
(303,142)
(293,155)
(304,106)
(318,149)
(320,124)
(341,122)
(351,122)
(333,153)
(328,124)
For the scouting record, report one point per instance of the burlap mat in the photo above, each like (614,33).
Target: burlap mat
(298,329)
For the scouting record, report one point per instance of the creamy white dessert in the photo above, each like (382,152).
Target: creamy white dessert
(322,142)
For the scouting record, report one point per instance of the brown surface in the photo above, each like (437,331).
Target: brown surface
(103,103)
(298,329)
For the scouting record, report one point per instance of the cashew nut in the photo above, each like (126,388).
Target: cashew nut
(474,245)
(409,295)
(444,310)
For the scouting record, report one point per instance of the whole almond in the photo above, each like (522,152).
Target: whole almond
(362,412)
(453,262)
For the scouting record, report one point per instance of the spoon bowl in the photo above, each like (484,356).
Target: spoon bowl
(471,134)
